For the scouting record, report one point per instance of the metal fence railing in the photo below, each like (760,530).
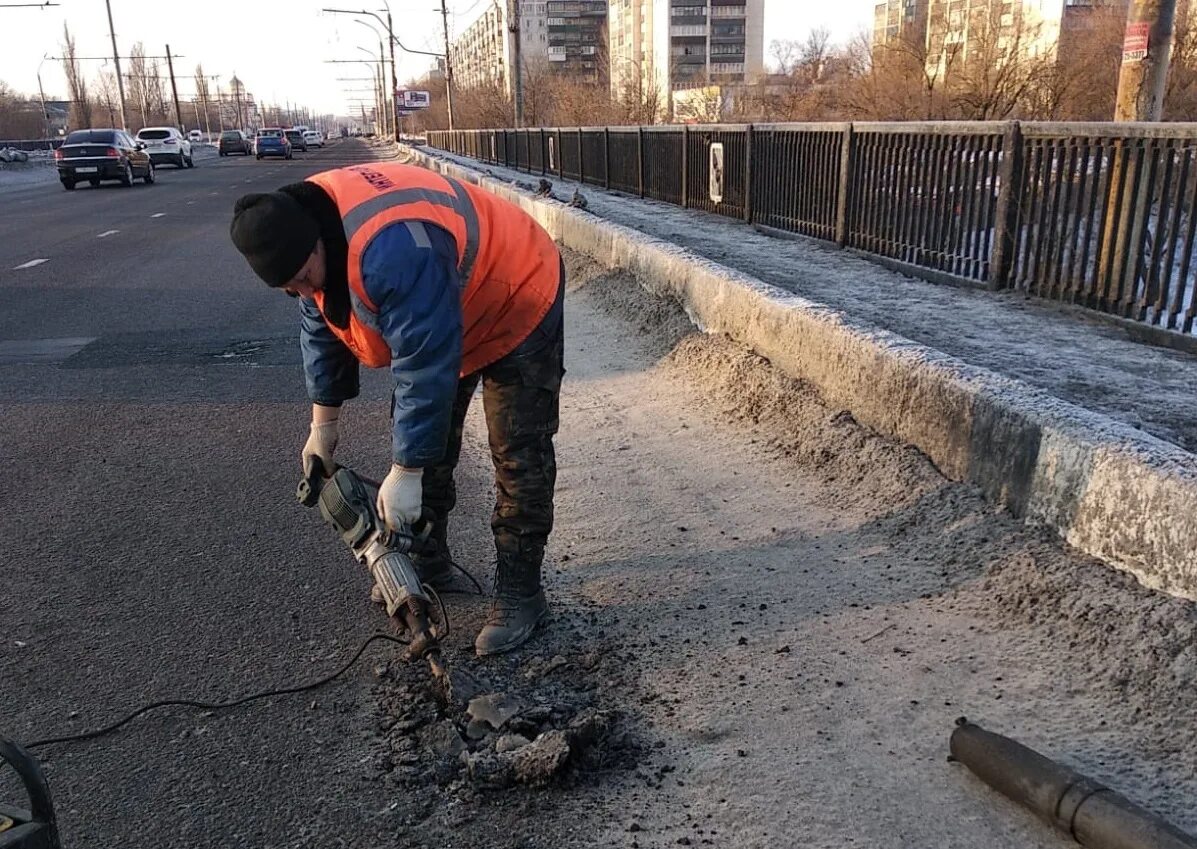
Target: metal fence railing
(1099,215)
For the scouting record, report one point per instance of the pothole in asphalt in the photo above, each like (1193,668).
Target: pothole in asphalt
(542,717)
(186,347)
(241,350)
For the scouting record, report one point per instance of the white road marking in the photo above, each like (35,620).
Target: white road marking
(157,215)
(30,264)
(190,202)
(107,233)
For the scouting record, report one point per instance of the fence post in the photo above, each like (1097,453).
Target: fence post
(560,157)
(686,167)
(640,159)
(544,154)
(581,158)
(1006,214)
(844,201)
(607,157)
(748,139)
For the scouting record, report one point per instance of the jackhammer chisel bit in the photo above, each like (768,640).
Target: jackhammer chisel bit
(347,502)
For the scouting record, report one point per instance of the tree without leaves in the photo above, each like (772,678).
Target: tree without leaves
(20,116)
(814,54)
(203,95)
(156,94)
(108,97)
(135,81)
(76,81)
(999,70)
(638,98)
(785,53)
(1180,96)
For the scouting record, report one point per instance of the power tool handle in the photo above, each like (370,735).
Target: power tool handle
(314,476)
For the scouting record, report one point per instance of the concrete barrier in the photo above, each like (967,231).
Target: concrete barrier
(1116,493)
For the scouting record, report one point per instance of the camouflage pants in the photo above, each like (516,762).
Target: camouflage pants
(520,395)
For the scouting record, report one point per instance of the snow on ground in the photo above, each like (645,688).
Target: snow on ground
(39,169)
(1082,360)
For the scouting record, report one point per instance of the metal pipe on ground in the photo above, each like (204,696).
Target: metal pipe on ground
(1093,815)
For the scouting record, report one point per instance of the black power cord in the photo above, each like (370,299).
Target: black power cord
(281,691)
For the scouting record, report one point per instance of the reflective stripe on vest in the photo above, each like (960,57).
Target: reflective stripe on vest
(459,202)
(507,264)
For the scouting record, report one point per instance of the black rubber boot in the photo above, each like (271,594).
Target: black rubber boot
(519,605)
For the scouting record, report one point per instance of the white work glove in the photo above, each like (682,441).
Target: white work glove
(401,497)
(322,441)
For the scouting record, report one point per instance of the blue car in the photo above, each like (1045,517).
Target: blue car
(272,141)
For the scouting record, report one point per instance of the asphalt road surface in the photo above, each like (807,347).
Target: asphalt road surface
(149,539)
(779,613)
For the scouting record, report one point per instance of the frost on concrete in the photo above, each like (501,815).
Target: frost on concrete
(1060,350)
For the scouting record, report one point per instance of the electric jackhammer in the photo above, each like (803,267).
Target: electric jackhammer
(348,502)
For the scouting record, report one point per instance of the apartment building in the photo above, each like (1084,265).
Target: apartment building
(894,19)
(952,31)
(484,53)
(681,44)
(577,39)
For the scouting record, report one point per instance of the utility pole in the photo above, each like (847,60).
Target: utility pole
(116,58)
(394,77)
(1142,79)
(41,92)
(1146,51)
(174,89)
(448,64)
(517,71)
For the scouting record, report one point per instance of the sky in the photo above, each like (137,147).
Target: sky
(280,50)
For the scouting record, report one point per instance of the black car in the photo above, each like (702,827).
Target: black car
(95,155)
(296,139)
(235,141)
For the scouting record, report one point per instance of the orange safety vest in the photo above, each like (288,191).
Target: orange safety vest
(508,264)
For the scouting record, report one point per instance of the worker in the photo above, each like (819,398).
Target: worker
(447,285)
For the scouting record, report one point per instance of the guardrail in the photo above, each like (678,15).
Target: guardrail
(1103,216)
(32,144)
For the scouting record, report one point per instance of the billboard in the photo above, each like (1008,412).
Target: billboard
(412,99)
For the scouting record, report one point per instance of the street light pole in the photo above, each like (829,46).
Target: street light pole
(116,58)
(396,42)
(379,82)
(382,69)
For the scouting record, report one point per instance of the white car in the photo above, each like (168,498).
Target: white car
(166,145)
(313,138)
(196,137)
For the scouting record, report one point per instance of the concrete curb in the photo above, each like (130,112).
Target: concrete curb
(1116,493)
